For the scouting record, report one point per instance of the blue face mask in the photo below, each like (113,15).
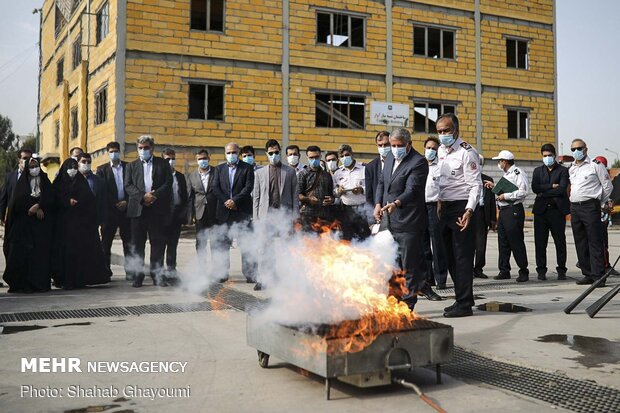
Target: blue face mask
(399,152)
(578,154)
(548,160)
(430,154)
(274,159)
(383,151)
(114,156)
(347,161)
(446,140)
(249,160)
(314,163)
(145,154)
(203,163)
(232,158)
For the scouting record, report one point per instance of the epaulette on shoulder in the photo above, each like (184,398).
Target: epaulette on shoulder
(517,171)
(466,146)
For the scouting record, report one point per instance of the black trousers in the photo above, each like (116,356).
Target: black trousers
(605,225)
(172,234)
(510,239)
(117,220)
(152,226)
(434,249)
(481,232)
(412,262)
(354,222)
(588,235)
(459,247)
(554,221)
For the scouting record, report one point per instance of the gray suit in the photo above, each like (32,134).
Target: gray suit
(201,202)
(289,200)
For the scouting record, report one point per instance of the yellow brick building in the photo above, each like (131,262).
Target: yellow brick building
(200,73)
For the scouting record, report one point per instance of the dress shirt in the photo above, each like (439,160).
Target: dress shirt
(519,178)
(459,176)
(90,178)
(176,198)
(118,178)
(431,191)
(588,181)
(204,178)
(232,169)
(147,168)
(348,179)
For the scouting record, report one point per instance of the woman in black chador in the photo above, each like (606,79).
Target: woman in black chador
(29,231)
(78,255)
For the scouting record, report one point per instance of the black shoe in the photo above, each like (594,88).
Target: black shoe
(458,312)
(585,281)
(250,280)
(501,276)
(441,286)
(161,283)
(431,295)
(258,287)
(542,277)
(137,283)
(449,308)
(130,277)
(481,275)
(611,271)
(222,280)
(523,278)
(600,285)
(561,276)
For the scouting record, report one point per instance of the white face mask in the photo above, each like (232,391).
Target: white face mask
(35,171)
(84,167)
(332,165)
(172,162)
(72,172)
(293,160)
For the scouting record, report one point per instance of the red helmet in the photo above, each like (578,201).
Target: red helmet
(601,159)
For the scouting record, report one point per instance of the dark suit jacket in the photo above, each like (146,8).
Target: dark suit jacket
(101,199)
(7,192)
(243,184)
(107,175)
(201,202)
(490,207)
(371,179)
(162,185)
(406,184)
(542,182)
(180,211)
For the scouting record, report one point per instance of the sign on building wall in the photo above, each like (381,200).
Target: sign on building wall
(389,114)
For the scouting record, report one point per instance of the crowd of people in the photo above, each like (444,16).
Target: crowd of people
(437,204)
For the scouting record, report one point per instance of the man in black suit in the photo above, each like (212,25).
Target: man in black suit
(373,168)
(550,182)
(400,195)
(113,176)
(148,183)
(202,203)
(233,185)
(178,216)
(10,181)
(484,219)
(96,185)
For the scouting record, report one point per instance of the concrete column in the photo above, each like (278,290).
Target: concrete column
(389,70)
(478,77)
(285,72)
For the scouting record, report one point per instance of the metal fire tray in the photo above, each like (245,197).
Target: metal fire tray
(315,349)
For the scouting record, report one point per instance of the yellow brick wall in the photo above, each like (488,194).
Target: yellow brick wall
(304,51)
(535,10)
(252,30)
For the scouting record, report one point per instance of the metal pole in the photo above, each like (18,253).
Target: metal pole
(38,137)
(478,78)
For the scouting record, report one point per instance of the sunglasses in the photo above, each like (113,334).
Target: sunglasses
(273,153)
(578,148)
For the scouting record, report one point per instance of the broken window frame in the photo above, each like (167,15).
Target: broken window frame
(101,105)
(426,103)
(349,16)
(77,52)
(442,30)
(59,22)
(102,28)
(519,113)
(207,85)
(347,120)
(75,122)
(524,43)
(208,23)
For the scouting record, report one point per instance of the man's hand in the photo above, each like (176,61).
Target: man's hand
(555,186)
(33,209)
(73,202)
(463,221)
(340,190)
(358,190)
(230,204)
(40,214)
(2,223)
(149,198)
(378,212)
(489,184)
(501,197)
(328,200)
(121,206)
(312,200)
(390,207)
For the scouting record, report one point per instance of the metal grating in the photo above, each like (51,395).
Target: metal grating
(234,298)
(580,396)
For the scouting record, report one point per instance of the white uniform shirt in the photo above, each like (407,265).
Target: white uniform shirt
(588,181)
(459,173)
(431,192)
(519,178)
(348,179)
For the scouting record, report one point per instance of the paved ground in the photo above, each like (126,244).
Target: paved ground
(223,374)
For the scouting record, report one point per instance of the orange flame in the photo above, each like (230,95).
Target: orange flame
(359,280)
